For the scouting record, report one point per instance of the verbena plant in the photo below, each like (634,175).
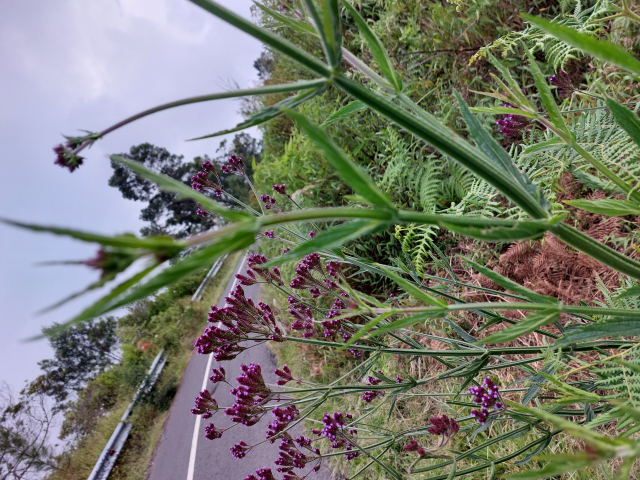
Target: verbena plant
(335,316)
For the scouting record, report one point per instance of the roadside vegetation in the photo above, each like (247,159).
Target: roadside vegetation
(98,367)
(448,196)
(169,320)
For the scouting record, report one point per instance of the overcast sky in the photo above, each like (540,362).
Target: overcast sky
(70,65)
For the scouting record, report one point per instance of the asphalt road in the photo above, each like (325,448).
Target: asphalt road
(177,458)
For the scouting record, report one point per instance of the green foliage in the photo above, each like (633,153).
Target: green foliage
(584,19)
(426,173)
(80,353)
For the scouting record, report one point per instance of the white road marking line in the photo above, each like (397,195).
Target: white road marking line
(196,428)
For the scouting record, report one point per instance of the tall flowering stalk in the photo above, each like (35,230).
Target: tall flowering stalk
(326,312)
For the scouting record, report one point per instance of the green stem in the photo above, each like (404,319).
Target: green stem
(584,347)
(268,90)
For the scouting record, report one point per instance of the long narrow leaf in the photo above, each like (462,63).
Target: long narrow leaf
(406,322)
(520,231)
(627,119)
(365,329)
(297,25)
(595,439)
(237,240)
(325,27)
(510,284)
(413,290)
(106,300)
(611,207)
(268,113)
(495,152)
(344,112)
(163,244)
(375,47)
(546,96)
(350,173)
(329,239)
(524,326)
(613,327)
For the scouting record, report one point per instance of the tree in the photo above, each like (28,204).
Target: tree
(264,65)
(25,425)
(166,213)
(80,353)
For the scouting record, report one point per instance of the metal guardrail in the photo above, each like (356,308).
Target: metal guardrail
(212,273)
(114,446)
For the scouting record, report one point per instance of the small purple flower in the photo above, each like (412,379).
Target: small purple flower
(66,157)
(219,375)
(512,125)
(265,474)
(486,396)
(412,446)
(399,379)
(373,380)
(283,417)
(370,395)
(312,234)
(240,449)
(205,404)
(235,166)
(212,433)
(202,213)
(284,374)
(269,234)
(563,83)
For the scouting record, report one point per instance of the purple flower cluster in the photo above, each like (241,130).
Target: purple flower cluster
(269,202)
(333,430)
(67,153)
(303,319)
(235,166)
(291,457)
(239,318)
(334,269)
(281,189)
(563,83)
(487,396)
(512,125)
(255,270)
(250,395)
(201,212)
(240,449)
(263,474)
(269,234)
(205,405)
(445,426)
(200,181)
(212,433)
(218,375)
(283,417)
(370,395)
(66,157)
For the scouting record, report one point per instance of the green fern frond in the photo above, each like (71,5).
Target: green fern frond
(583,20)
